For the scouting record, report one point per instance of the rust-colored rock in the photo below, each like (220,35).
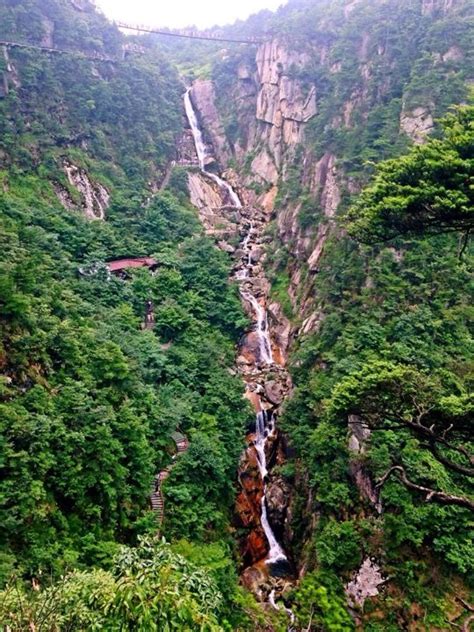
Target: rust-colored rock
(247,510)
(262,350)
(249,348)
(254,399)
(255,547)
(250,479)
(255,578)
(274,392)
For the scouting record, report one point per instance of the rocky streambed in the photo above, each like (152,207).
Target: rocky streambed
(263,496)
(261,363)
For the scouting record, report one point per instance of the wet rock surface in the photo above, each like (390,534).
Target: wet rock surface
(267,386)
(278,493)
(263,496)
(203,97)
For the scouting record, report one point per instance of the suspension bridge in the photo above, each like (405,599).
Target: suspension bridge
(190,34)
(96,56)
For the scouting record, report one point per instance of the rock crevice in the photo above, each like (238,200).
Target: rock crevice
(94,197)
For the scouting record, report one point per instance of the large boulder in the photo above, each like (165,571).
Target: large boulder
(277,496)
(274,392)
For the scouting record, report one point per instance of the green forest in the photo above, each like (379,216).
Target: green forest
(92,401)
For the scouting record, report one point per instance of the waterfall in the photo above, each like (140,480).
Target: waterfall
(196,130)
(263,333)
(225,185)
(265,422)
(202,151)
(265,347)
(275,606)
(264,429)
(248,236)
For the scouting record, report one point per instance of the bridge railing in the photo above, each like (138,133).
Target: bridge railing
(189,34)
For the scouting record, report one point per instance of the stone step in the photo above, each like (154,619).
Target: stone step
(156,496)
(157,506)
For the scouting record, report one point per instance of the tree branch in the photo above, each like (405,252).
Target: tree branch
(431,494)
(465,604)
(418,424)
(433,437)
(467,623)
(461,469)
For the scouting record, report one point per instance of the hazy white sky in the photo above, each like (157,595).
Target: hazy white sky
(178,13)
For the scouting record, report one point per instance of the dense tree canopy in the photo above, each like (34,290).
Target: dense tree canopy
(428,191)
(90,400)
(387,397)
(149,588)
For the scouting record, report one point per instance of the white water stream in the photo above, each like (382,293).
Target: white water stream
(265,424)
(264,343)
(265,427)
(202,151)
(275,606)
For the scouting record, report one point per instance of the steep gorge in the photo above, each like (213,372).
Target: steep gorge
(263,497)
(271,144)
(300,190)
(311,108)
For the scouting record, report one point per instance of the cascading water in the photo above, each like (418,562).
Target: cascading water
(202,151)
(265,420)
(264,342)
(264,429)
(272,602)
(196,130)
(244,272)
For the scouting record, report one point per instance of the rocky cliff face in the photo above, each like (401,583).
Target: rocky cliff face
(287,176)
(91,197)
(283,105)
(263,495)
(280,100)
(204,100)
(274,107)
